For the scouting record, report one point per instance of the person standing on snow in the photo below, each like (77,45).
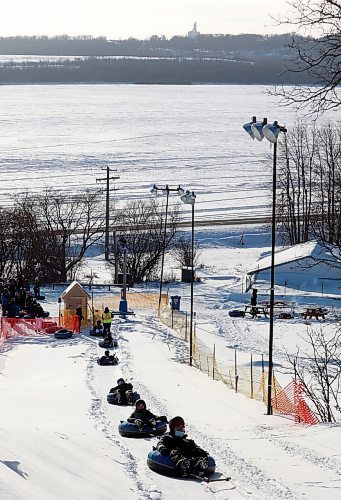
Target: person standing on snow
(186,454)
(106,319)
(79,314)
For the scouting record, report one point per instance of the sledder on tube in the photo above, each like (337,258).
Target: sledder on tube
(108,359)
(122,394)
(142,422)
(176,455)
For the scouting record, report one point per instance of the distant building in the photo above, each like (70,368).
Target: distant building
(306,266)
(194,33)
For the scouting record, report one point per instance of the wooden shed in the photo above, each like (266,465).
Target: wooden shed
(73,296)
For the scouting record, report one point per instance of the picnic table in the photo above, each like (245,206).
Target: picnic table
(281,304)
(315,312)
(255,310)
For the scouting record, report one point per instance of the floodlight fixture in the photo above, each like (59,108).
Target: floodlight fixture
(272,131)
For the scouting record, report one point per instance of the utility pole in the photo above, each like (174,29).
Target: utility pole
(107,179)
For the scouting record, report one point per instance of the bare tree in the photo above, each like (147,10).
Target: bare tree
(182,251)
(296,184)
(141,225)
(309,188)
(327,226)
(318,54)
(318,368)
(16,256)
(61,229)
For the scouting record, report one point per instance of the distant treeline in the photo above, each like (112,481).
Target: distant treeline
(247,59)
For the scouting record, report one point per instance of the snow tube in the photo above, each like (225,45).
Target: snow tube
(235,313)
(128,429)
(107,345)
(63,333)
(165,465)
(110,361)
(111,398)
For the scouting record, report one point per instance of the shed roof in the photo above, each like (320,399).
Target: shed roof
(75,286)
(294,253)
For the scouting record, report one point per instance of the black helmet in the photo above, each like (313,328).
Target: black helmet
(140,402)
(120,381)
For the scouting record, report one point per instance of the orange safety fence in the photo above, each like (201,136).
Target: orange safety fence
(290,401)
(13,327)
(70,321)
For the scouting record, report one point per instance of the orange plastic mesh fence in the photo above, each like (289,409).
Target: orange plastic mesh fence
(290,401)
(136,300)
(69,320)
(249,381)
(11,327)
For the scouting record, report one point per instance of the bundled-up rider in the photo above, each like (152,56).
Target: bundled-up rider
(186,454)
(141,416)
(123,390)
(108,359)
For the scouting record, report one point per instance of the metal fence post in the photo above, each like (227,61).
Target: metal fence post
(251,379)
(213,361)
(235,371)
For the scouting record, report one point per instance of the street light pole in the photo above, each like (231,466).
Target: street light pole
(272,278)
(189,198)
(155,189)
(192,294)
(258,130)
(163,248)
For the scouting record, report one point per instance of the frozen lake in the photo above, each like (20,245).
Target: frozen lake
(62,136)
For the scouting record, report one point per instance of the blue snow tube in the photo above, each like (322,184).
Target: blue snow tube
(163,464)
(128,429)
(63,333)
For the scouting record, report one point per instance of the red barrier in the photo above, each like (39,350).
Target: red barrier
(290,401)
(13,327)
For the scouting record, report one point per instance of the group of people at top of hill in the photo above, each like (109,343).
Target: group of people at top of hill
(18,301)
(187,456)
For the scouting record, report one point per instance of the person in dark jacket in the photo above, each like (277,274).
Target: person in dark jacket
(108,359)
(121,391)
(141,416)
(254,309)
(79,314)
(186,454)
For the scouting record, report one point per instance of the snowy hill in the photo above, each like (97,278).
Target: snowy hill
(59,435)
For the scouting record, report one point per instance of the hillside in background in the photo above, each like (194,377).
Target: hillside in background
(247,59)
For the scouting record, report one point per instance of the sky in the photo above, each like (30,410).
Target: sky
(139,18)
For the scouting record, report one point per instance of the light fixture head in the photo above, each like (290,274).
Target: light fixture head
(154,189)
(180,191)
(248,127)
(188,198)
(257,129)
(271,132)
